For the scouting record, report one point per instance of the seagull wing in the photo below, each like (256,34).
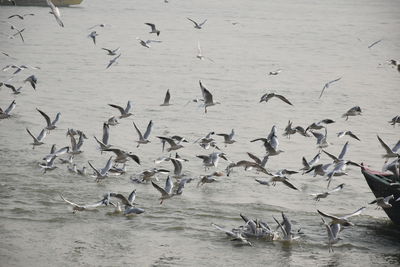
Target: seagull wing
(10,107)
(167,98)
(169,185)
(331,156)
(148,130)
(384,145)
(284,99)
(42,135)
(344,150)
(95,170)
(357,212)
(161,190)
(106,133)
(337,188)
(132,196)
(254,157)
(153,27)
(201,24)
(34,137)
(288,184)
(118,107)
(332,217)
(138,131)
(195,23)
(46,117)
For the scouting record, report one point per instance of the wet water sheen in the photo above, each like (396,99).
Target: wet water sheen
(312,41)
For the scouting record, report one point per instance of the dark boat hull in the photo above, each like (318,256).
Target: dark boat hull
(380,186)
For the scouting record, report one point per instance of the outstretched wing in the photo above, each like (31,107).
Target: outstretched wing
(148,130)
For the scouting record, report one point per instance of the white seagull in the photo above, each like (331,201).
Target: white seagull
(197,25)
(55,12)
(143,138)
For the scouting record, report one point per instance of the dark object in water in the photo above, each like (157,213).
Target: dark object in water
(383,185)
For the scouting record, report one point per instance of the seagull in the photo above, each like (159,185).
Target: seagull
(395,120)
(123,156)
(212,159)
(16,91)
(166,99)
(37,141)
(128,203)
(286,228)
(97,25)
(93,35)
(275,72)
(328,84)
(143,138)
(32,80)
(321,138)
(349,133)
(76,207)
(55,12)
(236,236)
(319,169)
(208,97)
(102,173)
(228,138)
(318,196)
(383,202)
(111,52)
(106,136)
(56,153)
(112,61)
(289,130)
(124,112)
(309,164)
(206,179)
(18,32)
(319,125)
(341,155)
(271,151)
(375,43)
(48,165)
(182,184)
(354,111)
(333,231)
(166,192)
(20,16)
(341,220)
(390,152)
(171,142)
(76,146)
(153,28)
(197,25)
(147,43)
(67,161)
(112,121)
(6,113)
(147,175)
(51,125)
(267,96)
(200,55)
(284,180)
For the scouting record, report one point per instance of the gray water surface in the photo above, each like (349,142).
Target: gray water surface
(312,41)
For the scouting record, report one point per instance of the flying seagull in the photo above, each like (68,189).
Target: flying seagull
(328,84)
(197,25)
(268,96)
(153,28)
(111,52)
(55,12)
(112,61)
(124,112)
(166,99)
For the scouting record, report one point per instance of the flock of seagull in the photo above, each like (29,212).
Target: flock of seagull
(177,179)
